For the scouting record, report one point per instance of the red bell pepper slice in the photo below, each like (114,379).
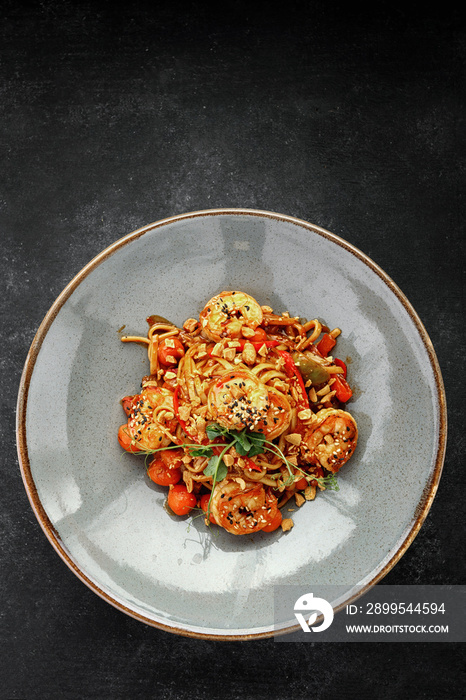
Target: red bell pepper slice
(342,389)
(325,345)
(340,363)
(252,465)
(293,371)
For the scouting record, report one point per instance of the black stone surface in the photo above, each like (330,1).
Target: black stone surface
(113,118)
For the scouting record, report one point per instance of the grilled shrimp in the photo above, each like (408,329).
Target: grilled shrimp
(242,507)
(151,419)
(226,314)
(330,440)
(238,400)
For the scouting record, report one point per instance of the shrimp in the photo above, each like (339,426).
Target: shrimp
(151,420)
(226,314)
(330,440)
(242,507)
(238,400)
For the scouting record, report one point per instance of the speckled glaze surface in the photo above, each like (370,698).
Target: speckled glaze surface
(96,505)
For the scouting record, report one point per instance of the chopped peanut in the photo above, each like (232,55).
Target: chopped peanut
(247,332)
(299,498)
(287,524)
(184,412)
(310,493)
(249,354)
(190,325)
(228,460)
(229,354)
(294,438)
(217,350)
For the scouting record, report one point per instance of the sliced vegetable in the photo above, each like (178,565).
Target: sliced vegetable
(342,389)
(268,343)
(340,363)
(251,465)
(311,369)
(293,371)
(326,344)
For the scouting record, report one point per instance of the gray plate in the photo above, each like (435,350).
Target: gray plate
(95,503)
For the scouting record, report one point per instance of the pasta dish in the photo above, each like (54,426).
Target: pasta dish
(242,410)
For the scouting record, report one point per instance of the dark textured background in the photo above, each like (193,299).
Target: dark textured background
(112,119)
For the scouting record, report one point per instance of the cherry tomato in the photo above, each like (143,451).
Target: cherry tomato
(125,439)
(204,503)
(163,474)
(180,500)
(274,524)
(169,352)
(301,484)
(259,336)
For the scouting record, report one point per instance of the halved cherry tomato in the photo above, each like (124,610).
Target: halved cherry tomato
(204,503)
(325,345)
(125,439)
(163,474)
(274,524)
(169,352)
(180,500)
(342,388)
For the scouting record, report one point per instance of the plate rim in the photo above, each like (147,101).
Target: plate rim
(411,529)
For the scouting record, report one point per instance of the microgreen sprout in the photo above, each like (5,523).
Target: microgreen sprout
(247,444)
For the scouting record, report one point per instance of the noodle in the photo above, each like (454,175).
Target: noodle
(241,410)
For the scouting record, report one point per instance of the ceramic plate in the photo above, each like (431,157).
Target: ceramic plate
(95,504)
